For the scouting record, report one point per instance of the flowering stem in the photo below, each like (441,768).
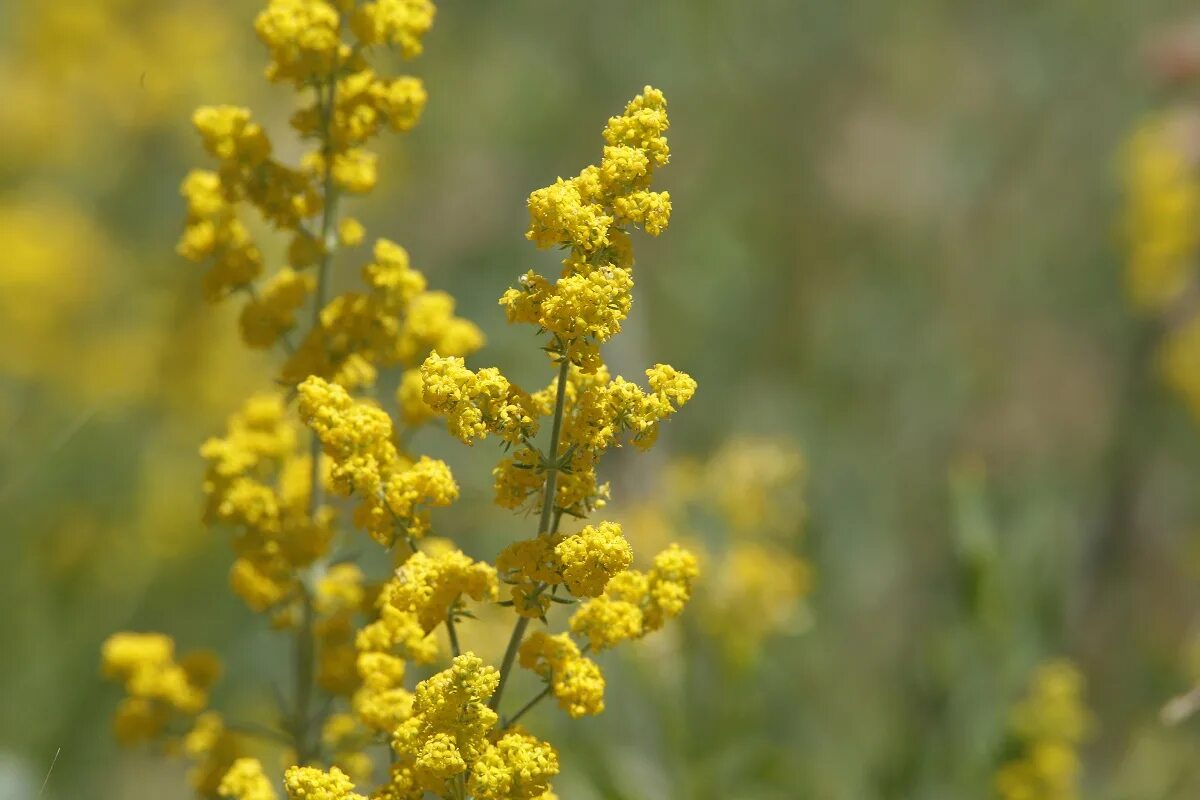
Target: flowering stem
(514,641)
(329,207)
(306,747)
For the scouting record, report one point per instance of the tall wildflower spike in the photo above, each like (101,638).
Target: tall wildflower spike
(268,475)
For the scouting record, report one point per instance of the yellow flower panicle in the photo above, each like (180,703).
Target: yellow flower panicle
(311,783)
(429,587)
(394,493)
(1162,215)
(246,780)
(399,23)
(754,595)
(157,686)
(516,767)
(599,413)
(163,695)
(583,562)
(382,703)
(266,481)
(587,215)
(448,739)
(397,321)
(753,489)
(476,403)
(575,680)
(1049,724)
(258,482)
(591,557)
(347,104)
(637,603)
(339,597)
(271,313)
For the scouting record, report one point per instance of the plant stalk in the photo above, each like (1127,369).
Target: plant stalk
(514,641)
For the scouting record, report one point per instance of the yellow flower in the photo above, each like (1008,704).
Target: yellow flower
(246,780)
(518,766)
(448,730)
(272,311)
(575,680)
(258,482)
(642,126)
(356,170)
(636,603)
(310,783)
(429,586)
(230,136)
(591,557)
(1162,215)
(302,37)
(394,493)
(476,403)
(559,215)
(1049,723)
(157,686)
(402,23)
(1179,362)
(587,304)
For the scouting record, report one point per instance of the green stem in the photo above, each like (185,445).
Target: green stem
(514,641)
(510,654)
(560,399)
(303,725)
(450,629)
(526,708)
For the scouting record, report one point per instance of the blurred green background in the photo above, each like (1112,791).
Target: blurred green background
(894,241)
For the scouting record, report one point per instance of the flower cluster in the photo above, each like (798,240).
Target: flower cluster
(259,482)
(574,680)
(394,492)
(310,783)
(1049,723)
(636,603)
(1162,230)
(346,104)
(166,701)
(1162,216)
(245,780)
(476,403)
(157,687)
(290,461)
(588,216)
(451,739)
(396,321)
(598,413)
(339,598)
(582,562)
(429,586)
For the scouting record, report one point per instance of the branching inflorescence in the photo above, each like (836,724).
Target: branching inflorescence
(289,498)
